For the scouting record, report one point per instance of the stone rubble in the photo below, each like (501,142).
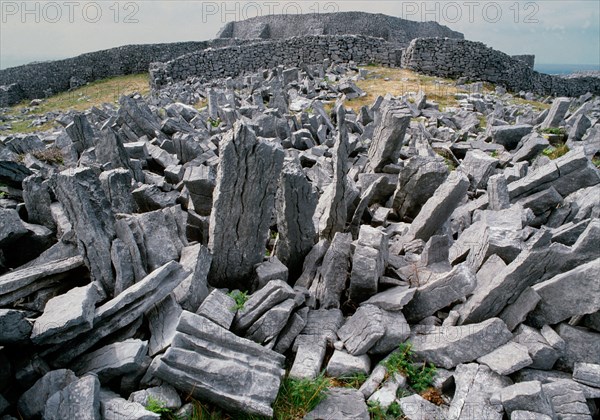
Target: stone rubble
(181,252)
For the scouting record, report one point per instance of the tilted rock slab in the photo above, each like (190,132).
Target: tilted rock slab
(243,201)
(211,363)
(122,311)
(390,128)
(81,194)
(449,346)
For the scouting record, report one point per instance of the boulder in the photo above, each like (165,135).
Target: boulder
(340,403)
(32,402)
(78,400)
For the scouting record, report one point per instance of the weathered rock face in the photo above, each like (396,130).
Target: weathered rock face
(243,201)
(240,375)
(390,127)
(90,214)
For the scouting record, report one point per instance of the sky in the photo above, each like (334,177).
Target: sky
(556,31)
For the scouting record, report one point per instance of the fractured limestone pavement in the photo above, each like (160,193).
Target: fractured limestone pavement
(180,252)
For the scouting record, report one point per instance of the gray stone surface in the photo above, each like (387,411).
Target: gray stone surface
(273,269)
(373,381)
(78,400)
(528,415)
(439,207)
(162,320)
(478,166)
(396,331)
(310,353)
(516,312)
(542,353)
(295,203)
(14,327)
(90,214)
(121,311)
(391,123)
(332,209)
(497,190)
(240,375)
(192,292)
(567,399)
(417,181)
(416,407)
(476,385)
(581,346)
(36,195)
(219,308)
(113,407)
(21,283)
(165,394)
(342,364)
(532,145)
(526,396)
(587,373)
(293,328)
(393,299)
(66,316)
(32,402)
(266,328)
(576,292)
(557,113)
(11,227)
(273,293)
(116,184)
(449,346)
(200,182)
(362,330)
(340,403)
(439,293)
(507,359)
(330,284)
(243,201)
(509,136)
(324,322)
(112,360)
(386,395)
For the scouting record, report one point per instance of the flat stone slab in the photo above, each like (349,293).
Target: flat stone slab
(166,394)
(393,299)
(449,346)
(507,359)
(587,373)
(343,364)
(113,360)
(219,308)
(66,316)
(310,353)
(211,363)
(416,407)
(340,403)
(526,396)
(113,407)
(362,330)
(567,400)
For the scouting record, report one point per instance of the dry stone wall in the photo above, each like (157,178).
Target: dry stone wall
(233,61)
(38,80)
(456,58)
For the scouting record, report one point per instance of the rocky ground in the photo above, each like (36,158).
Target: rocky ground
(156,256)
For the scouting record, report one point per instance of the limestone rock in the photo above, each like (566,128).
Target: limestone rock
(416,407)
(331,282)
(32,402)
(219,308)
(343,364)
(78,400)
(507,359)
(242,203)
(14,327)
(362,330)
(113,407)
(390,127)
(341,403)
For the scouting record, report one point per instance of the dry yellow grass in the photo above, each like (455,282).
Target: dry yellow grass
(404,82)
(81,99)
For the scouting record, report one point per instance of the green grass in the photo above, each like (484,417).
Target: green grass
(596,162)
(240,299)
(214,123)
(402,361)
(297,397)
(158,407)
(553,130)
(393,412)
(555,152)
(80,99)
(350,381)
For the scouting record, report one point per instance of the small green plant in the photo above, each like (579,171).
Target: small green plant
(214,123)
(240,299)
(376,411)
(553,130)
(419,377)
(2,194)
(494,154)
(596,162)
(556,152)
(299,396)
(158,407)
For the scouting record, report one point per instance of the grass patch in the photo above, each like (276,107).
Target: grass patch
(596,162)
(403,82)
(158,407)
(402,361)
(297,397)
(538,106)
(554,130)
(240,299)
(393,412)
(351,381)
(80,99)
(50,155)
(555,152)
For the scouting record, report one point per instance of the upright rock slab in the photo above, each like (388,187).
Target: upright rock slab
(557,113)
(79,400)
(212,363)
(81,194)
(390,127)
(242,205)
(296,202)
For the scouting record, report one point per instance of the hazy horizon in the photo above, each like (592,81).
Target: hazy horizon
(37,31)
